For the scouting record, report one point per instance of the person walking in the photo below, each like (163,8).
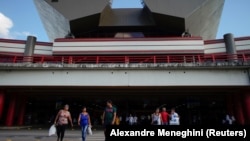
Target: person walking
(229,119)
(108,116)
(156,117)
(174,117)
(62,119)
(130,119)
(164,116)
(85,122)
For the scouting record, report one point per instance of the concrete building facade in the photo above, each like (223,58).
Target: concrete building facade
(136,57)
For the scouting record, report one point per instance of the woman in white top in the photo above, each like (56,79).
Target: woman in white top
(174,118)
(156,117)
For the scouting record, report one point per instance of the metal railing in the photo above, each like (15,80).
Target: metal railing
(127,59)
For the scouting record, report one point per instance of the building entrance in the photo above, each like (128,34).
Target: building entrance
(196,106)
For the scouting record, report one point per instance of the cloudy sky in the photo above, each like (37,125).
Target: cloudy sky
(6,26)
(19,18)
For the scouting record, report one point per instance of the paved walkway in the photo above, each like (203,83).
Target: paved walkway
(28,134)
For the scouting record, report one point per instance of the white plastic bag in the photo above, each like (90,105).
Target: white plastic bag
(52,130)
(89,130)
(174,121)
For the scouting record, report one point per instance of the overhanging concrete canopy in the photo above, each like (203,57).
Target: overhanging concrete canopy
(96,18)
(201,16)
(178,8)
(60,18)
(74,9)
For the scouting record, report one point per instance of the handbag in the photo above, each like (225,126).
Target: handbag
(52,130)
(89,130)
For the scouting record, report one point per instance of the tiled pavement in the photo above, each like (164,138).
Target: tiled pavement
(28,134)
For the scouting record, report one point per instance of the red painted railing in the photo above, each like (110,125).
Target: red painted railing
(126,59)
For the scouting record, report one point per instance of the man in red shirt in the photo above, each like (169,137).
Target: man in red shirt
(164,116)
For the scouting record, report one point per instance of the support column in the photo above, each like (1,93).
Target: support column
(29,48)
(230,47)
(247,108)
(11,111)
(21,112)
(238,110)
(1,104)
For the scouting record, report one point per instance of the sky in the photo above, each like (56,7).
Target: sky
(19,18)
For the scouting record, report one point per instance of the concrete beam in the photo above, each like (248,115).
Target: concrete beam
(124,77)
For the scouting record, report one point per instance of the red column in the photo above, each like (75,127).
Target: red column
(1,103)
(11,112)
(238,109)
(247,107)
(21,112)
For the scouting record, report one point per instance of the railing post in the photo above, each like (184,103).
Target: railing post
(126,60)
(62,59)
(70,60)
(42,59)
(97,59)
(244,57)
(154,57)
(168,59)
(213,58)
(199,58)
(14,59)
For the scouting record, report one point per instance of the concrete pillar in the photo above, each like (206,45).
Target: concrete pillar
(230,47)
(11,112)
(1,104)
(238,109)
(21,111)
(29,48)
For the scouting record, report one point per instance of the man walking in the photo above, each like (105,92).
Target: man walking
(109,116)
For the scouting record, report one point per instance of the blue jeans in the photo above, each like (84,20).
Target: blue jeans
(84,132)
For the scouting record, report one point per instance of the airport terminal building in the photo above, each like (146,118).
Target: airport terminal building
(161,55)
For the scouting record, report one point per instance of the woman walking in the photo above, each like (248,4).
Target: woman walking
(174,117)
(61,122)
(156,117)
(84,122)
